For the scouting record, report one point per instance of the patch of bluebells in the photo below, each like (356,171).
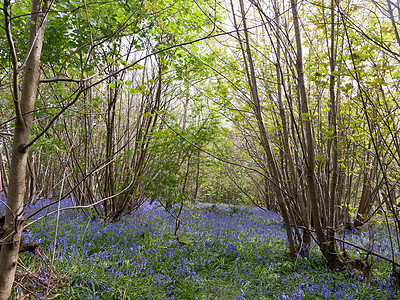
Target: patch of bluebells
(225,254)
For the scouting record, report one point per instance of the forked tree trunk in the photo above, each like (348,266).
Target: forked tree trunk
(14,217)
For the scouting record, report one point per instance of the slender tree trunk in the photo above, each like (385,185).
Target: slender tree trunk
(30,181)
(332,194)
(197,185)
(292,180)
(14,220)
(109,183)
(3,175)
(368,194)
(265,140)
(309,136)
(334,259)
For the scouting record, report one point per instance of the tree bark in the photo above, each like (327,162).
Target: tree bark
(368,193)
(265,140)
(334,158)
(2,177)
(309,137)
(334,259)
(14,217)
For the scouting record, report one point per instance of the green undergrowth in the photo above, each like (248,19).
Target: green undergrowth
(223,255)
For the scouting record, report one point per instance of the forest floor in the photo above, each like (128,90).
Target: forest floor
(225,253)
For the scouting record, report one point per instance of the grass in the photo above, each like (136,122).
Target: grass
(228,254)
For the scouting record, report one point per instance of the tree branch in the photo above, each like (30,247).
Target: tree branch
(14,59)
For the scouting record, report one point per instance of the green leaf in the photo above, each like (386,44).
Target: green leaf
(137,67)
(327,132)
(321,157)
(317,74)
(148,114)
(306,117)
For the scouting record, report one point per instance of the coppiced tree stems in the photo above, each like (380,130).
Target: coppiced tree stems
(265,141)
(312,193)
(282,142)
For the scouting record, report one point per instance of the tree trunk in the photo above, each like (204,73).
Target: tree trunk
(292,178)
(2,175)
(333,258)
(109,178)
(309,138)
(30,180)
(14,217)
(368,194)
(265,140)
(334,158)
